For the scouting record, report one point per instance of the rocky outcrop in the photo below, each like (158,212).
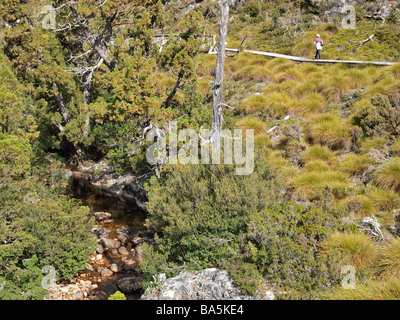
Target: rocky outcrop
(102,176)
(337,7)
(100,216)
(208,284)
(129,284)
(79,290)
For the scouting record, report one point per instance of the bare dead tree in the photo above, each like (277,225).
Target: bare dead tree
(217,117)
(369,37)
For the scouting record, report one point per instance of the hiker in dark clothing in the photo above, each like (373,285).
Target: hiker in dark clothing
(318,44)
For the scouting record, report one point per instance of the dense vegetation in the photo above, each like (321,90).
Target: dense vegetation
(91,89)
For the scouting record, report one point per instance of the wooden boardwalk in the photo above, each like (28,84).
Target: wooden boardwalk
(300,59)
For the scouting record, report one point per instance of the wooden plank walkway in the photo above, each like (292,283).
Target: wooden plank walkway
(300,59)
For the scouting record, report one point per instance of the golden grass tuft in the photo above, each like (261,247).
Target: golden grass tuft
(316,166)
(330,130)
(311,103)
(388,264)
(253,73)
(388,289)
(257,124)
(378,143)
(353,164)
(384,200)
(359,204)
(253,104)
(387,175)
(313,184)
(318,152)
(355,249)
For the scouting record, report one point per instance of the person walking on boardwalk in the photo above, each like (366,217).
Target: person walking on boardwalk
(318,44)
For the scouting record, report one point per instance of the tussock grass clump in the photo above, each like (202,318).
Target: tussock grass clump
(316,166)
(378,143)
(395,148)
(257,124)
(263,140)
(359,204)
(287,72)
(373,290)
(205,84)
(311,103)
(395,70)
(355,249)
(254,73)
(358,77)
(387,175)
(280,104)
(314,184)
(246,59)
(318,152)
(253,104)
(384,87)
(354,164)
(330,130)
(384,200)
(388,264)
(334,86)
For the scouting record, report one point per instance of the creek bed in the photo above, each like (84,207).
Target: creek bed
(123,214)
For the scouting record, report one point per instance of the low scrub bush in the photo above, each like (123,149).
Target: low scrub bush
(200,210)
(283,242)
(382,117)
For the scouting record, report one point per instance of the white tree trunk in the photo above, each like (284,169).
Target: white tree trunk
(216,126)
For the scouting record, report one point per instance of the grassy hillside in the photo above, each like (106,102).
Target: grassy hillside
(338,151)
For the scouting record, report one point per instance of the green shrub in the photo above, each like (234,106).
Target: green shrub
(37,226)
(23,282)
(382,117)
(15,155)
(117,296)
(199,210)
(245,274)
(283,246)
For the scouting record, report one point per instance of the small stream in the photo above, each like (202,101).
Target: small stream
(123,215)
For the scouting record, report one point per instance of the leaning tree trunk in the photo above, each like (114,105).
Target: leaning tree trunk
(216,126)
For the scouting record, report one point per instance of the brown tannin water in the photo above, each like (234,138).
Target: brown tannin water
(123,214)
